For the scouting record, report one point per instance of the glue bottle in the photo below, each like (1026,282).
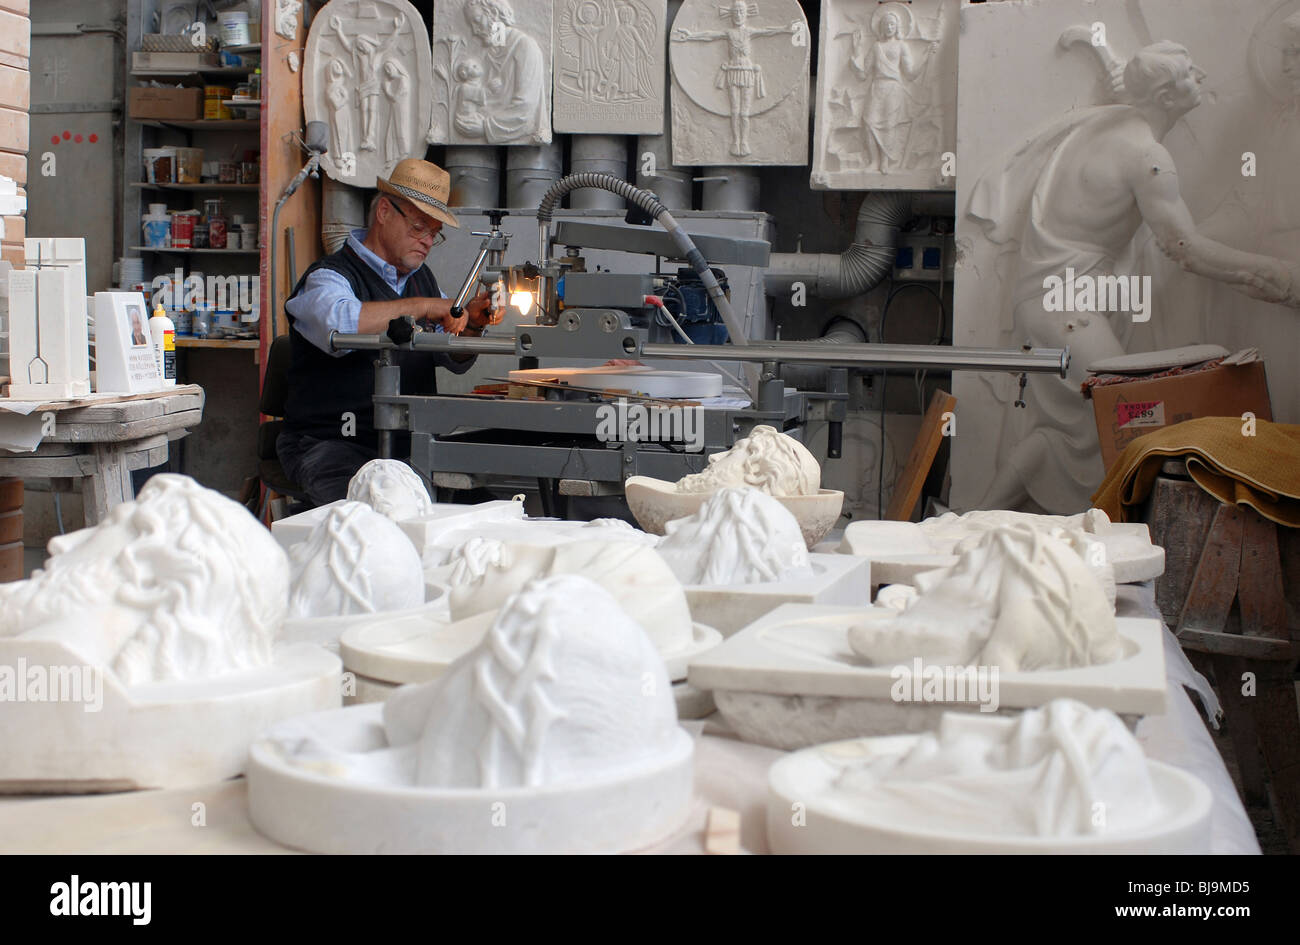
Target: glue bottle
(163,333)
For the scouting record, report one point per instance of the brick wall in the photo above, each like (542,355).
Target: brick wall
(15,97)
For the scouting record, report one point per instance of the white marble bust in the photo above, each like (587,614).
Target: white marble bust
(739,536)
(180,584)
(391,488)
(767,460)
(355,561)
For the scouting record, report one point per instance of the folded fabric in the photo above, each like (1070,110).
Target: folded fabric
(1255,464)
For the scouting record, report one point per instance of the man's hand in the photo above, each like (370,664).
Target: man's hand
(480,313)
(453,326)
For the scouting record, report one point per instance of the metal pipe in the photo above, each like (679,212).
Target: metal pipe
(475,176)
(729,189)
(896,357)
(424,341)
(597,154)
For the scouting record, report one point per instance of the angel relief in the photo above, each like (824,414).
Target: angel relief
(607,51)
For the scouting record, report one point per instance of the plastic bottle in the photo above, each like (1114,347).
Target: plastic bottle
(163,333)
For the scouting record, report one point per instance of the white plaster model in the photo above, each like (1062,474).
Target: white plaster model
(740,83)
(492,72)
(1106,141)
(368,76)
(738,536)
(767,460)
(1018,600)
(561,717)
(391,488)
(286,18)
(790,679)
(48,345)
(610,58)
(146,643)
(886,95)
(1063,779)
(443,548)
(356,561)
(180,584)
(634,378)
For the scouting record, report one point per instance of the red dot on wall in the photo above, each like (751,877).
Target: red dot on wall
(67,135)
(54,140)
(93,138)
(77,139)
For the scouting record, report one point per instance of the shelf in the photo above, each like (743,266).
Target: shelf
(250,47)
(204,124)
(251,188)
(217,252)
(242,344)
(210,70)
(245,103)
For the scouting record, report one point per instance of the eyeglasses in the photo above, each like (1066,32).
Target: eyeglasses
(419,229)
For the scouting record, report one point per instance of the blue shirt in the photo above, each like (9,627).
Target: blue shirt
(326,303)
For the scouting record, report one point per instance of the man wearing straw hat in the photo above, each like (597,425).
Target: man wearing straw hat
(377,276)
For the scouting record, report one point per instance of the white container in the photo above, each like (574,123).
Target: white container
(234,28)
(163,332)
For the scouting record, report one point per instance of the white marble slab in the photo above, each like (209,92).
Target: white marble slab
(154,735)
(367,75)
(740,83)
(836,579)
(790,680)
(326,631)
(833,824)
(332,810)
(491,72)
(886,96)
(635,379)
(610,58)
(446,516)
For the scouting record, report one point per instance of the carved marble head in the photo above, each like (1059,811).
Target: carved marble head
(179,584)
(766,460)
(1163,74)
(391,488)
(738,12)
(481,14)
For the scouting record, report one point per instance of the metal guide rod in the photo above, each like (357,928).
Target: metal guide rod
(900,357)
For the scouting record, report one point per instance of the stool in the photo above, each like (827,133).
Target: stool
(1218,555)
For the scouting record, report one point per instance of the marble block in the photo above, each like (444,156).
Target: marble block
(740,83)
(886,96)
(728,608)
(148,735)
(790,679)
(656,502)
(48,345)
(492,72)
(367,75)
(448,517)
(609,66)
(840,821)
(1063,108)
(291,529)
(326,631)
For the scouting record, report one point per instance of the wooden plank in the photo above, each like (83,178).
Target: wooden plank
(1239,719)
(1215,583)
(907,489)
(110,485)
(1277,721)
(1179,516)
(1236,644)
(48,467)
(1259,591)
(125,432)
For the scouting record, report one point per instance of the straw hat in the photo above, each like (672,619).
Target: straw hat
(424,184)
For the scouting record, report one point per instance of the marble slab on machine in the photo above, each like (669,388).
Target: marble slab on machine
(367,74)
(1025,81)
(739,83)
(790,680)
(492,72)
(730,607)
(886,112)
(610,58)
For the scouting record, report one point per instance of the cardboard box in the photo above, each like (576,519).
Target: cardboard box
(165,104)
(1127,411)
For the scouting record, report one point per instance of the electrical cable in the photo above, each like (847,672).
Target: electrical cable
(687,339)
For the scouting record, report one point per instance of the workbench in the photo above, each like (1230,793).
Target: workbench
(101,441)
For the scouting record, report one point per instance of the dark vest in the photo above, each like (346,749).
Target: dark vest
(322,387)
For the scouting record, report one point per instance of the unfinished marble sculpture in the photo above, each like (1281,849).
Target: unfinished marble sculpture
(443,551)
(1109,141)
(609,66)
(391,488)
(740,83)
(356,561)
(1065,778)
(738,536)
(368,76)
(286,18)
(48,346)
(151,635)
(556,733)
(492,66)
(767,460)
(180,584)
(1018,600)
(886,96)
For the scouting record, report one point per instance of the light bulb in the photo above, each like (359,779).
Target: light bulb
(522,301)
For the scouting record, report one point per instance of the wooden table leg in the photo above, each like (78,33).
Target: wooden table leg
(1277,721)
(109,485)
(1239,716)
